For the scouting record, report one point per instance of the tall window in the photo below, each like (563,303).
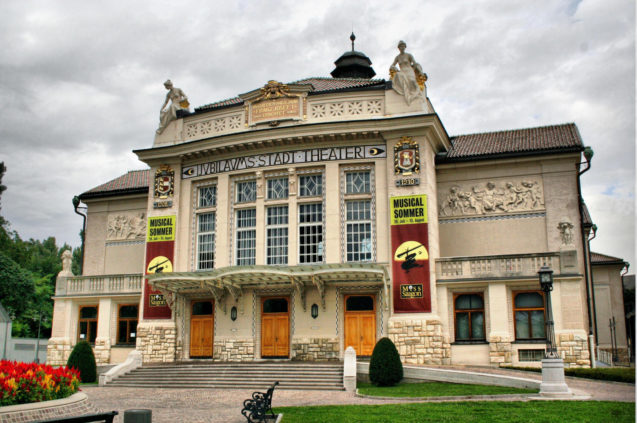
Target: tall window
(277,235)
(127,324)
(205,241)
(310,233)
(357,182)
(359,230)
(469,312)
(246,236)
(528,308)
(87,330)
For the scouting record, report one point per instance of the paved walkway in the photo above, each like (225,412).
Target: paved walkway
(224,405)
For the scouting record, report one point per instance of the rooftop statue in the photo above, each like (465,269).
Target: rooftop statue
(410,79)
(178,101)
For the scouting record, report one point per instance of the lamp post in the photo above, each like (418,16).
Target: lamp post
(37,340)
(553,382)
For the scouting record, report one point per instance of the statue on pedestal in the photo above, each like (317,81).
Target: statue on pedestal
(178,101)
(409,81)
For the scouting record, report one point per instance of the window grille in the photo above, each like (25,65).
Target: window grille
(246,236)
(359,230)
(246,191)
(277,188)
(311,233)
(277,235)
(208,196)
(357,183)
(530,355)
(206,241)
(310,185)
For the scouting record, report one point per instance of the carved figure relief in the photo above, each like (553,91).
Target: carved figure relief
(126,226)
(566,232)
(408,79)
(505,197)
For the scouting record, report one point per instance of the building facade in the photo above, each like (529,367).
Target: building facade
(299,219)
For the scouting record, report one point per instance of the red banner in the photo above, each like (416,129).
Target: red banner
(160,248)
(410,254)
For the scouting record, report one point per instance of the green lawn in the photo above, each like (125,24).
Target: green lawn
(472,412)
(437,389)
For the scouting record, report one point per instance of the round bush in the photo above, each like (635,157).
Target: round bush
(83,360)
(385,368)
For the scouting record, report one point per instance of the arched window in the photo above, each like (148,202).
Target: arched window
(528,309)
(469,317)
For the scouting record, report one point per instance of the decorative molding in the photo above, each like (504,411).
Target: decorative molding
(123,243)
(487,198)
(126,226)
(355,108)
(497,217)
(213,126)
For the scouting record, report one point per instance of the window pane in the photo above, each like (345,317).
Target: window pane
(522,330)
(83,331)
(128,311)
(529,300)
(277,188)
(469,302)
(537,324)
(246,191)
(310,185)
(310,233)
(462,326)
(92,331)
(477,325)
(132,327)
(208,196)
(122,329)
(275,305)
(88,313)
(202,308)
(359,303)
(357,182)
(206,241)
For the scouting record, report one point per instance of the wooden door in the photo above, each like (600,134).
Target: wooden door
(201,329)
(275,328)
(360,324)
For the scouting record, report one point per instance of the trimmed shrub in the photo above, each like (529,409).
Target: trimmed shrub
(83,360)
(385,368)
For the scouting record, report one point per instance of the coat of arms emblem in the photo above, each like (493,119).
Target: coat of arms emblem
(164,182)
(406,156)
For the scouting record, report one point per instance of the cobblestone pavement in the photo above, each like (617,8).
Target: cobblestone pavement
(224,405)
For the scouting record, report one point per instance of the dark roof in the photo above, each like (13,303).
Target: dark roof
(133,182)
(597,258)
(515,142)
(320,85)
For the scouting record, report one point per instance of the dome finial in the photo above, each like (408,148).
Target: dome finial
(352,37)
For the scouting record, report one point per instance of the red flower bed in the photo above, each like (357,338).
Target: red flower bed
(22,383)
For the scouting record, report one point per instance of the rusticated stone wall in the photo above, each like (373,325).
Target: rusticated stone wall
(58,351)
(102,351)
(573,349)
(500,350)
(233,350)
(420,341)
(156,342)
(315,349)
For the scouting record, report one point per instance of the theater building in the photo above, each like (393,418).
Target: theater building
(298,219)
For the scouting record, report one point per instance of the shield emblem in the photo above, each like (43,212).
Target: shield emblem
(407,159)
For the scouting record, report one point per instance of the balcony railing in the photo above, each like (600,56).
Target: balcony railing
(502,266)
(101,284)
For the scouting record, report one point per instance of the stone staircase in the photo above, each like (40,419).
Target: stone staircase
(253,375)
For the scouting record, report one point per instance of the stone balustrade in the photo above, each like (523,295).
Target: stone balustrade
(501,266)
(102,284)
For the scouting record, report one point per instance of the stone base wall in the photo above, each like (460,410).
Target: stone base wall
(500,350)
(420,341)
(102,351)
(73,406)
(315,349)
(58,351)
(156,342)
(233,350)
(573,349)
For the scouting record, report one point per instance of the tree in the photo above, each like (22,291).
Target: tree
(17,287)
(3,169)
(83,360)
(385,368)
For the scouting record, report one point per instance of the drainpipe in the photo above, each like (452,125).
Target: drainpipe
(76,206)
(592,278)
(626,325)
(585,230)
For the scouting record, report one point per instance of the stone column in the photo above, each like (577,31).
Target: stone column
(500,348)
(102,347)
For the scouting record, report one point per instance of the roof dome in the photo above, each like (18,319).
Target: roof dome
(353,64)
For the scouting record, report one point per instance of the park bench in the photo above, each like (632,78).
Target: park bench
(101,417)
(256,409)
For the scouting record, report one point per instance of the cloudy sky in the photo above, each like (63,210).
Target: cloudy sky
(81,82)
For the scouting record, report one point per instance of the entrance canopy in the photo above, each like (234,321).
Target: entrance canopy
(234,279)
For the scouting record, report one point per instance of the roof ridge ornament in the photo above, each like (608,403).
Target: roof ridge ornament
(274,89)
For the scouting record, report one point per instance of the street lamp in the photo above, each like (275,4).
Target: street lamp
(546,282)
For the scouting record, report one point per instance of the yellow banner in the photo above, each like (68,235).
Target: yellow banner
(408,210)
(160,228)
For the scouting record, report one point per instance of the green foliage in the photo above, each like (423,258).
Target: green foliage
(385,368)
(17,289)
(83,360)
(617,374)
(437,389)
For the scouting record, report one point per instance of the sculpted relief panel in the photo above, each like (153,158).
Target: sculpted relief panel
(491,197)
(126,226)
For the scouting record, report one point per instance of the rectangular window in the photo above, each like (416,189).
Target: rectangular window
(530,355)
(205,241)
(208,196)
(357,182)
(127,324)
(469,317)
(246,191)
(87,324)
(528,309)
(277,189)
(310,185)
(246,236)
(311,233)
(359,230)
(277,235)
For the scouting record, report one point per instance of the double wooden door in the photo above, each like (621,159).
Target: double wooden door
(360,324)
(201,329)
(275,328)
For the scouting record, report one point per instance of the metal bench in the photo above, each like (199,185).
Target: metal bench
(101,417)
(256,409)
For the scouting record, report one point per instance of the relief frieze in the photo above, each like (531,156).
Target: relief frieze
(126,226)
(490,197)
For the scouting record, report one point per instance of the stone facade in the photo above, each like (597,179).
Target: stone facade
(420,341)
(500,350)
(58,351)
(233,350)
(315,349)
(102,351)
(156,342)
(573,349)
